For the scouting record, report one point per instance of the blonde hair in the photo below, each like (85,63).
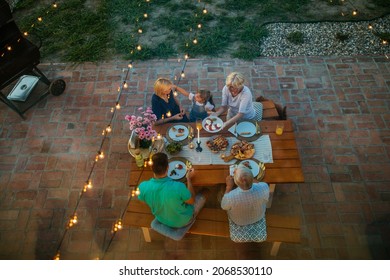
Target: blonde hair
(235,79)
(160,85)
(243,177)
(204,94)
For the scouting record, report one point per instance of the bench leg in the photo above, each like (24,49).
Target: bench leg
(275,248)
(271,194)
(146,234)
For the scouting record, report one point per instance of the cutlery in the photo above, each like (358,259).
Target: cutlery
(261,171)
(257,128)
(235,129)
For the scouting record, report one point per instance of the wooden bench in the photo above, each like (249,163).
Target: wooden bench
(214,222)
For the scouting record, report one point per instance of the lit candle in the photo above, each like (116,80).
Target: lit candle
(169,114)
(198,136)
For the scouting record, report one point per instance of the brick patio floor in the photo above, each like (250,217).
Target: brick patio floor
(341,110)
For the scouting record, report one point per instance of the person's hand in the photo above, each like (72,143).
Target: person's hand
(178,117)
(229,183)
(190,173)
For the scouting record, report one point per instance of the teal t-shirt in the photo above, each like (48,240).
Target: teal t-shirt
(165,198)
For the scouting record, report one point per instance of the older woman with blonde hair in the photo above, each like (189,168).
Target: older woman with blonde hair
(165,105)
(237,99)
(245,206)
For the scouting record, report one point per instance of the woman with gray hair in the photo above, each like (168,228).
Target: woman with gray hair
(246,206)
(237,99)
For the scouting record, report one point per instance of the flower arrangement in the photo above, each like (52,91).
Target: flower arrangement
(143,126)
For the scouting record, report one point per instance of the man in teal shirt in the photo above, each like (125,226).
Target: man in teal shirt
(171,202)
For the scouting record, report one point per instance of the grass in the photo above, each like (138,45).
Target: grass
(95,30)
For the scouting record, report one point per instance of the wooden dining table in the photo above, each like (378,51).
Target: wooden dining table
(285,168)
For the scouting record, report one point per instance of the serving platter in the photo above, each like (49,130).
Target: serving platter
(212,124)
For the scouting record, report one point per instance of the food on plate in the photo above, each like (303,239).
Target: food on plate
(247,164)
(174,129)
(181,130)
(179,134)
(211,124)
(179,166)
(243,150)
(217,144)
(245,133)
(174,147)
(173,172)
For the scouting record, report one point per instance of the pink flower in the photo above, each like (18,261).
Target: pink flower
(143,123)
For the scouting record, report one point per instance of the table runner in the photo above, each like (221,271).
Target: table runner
(263,152)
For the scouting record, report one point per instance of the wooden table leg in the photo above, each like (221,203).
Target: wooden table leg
(146,234)
(271,194)
(275,248)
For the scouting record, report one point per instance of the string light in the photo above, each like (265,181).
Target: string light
(140,30)
(370,26)
(40,19)
(195,41)
(183,75)
(108,129)
(117,106)
(57,256)
(354,12)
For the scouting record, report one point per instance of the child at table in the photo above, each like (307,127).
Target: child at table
(202,104)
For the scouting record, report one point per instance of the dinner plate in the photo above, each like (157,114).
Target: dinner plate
(212,124)
(177,168)
(246,129)
(178,132)
(254,166)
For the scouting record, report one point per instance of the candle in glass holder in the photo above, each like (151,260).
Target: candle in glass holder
(169,114)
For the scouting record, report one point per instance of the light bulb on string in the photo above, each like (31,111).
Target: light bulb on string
(139,47)
(145,15)
(175,93)
(55,5)
(57,256)
(87,185)
(183,75)
(195,41)
(118,106)
(205,10)
(130,65)
(140,30)
(112,110)
(25,33)
(40,19)
(199,25)
(72,221)
(9,48)
(125,85)
(384,42)
(137,192)
(101,155)
(186,56)
(354,12)
(108,129)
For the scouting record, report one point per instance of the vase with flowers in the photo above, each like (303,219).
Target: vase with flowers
(141,126)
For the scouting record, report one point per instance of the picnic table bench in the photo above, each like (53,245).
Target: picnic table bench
(214,222)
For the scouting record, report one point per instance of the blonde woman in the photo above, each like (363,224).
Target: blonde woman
(237,99)
(165,105)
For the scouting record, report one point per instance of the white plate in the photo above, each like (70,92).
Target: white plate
(174,132)
(246,129)
(174,170)
(212,124)
(253,166)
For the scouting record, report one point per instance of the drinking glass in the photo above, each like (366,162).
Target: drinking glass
(279,129)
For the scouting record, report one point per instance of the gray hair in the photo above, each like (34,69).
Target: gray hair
(243,177)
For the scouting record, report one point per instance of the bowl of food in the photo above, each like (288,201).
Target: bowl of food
(174,148)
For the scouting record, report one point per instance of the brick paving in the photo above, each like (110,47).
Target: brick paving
(341,110)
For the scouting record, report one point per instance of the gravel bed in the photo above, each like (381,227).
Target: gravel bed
(320,39)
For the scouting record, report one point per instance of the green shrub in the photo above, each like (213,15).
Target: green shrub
(296,37)
(341,36)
